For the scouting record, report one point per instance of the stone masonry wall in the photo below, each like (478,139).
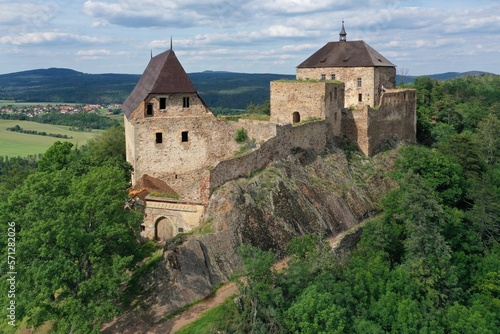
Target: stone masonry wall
(308,136)
(355,127)
(395,118)
(307,98)
(348,75)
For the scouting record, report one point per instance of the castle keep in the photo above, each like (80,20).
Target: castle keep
(181,152)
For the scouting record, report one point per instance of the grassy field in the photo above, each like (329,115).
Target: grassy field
(30,104)
(15,144)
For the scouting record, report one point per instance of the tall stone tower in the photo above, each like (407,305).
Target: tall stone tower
(363,70)
(172,139)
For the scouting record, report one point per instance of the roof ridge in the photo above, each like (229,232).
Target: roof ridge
(163,75)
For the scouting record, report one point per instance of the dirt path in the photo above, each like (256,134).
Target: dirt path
(194,312)
(226,291)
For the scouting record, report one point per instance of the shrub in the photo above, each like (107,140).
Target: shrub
(241,135)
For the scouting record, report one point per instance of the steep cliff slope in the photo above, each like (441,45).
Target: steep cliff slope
(306,193)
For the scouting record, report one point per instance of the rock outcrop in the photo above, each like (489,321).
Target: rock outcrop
(305,193)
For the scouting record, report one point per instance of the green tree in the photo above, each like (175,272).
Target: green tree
(488,139)
(440,172)
(315,312)
(58,156)
(75,242)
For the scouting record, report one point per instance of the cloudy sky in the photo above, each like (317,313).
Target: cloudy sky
(253,36)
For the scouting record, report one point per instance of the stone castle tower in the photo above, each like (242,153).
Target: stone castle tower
(181,152)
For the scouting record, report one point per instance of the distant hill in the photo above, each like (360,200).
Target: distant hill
(218,89)
(440,76)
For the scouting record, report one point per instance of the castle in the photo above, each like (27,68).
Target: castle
(181,152)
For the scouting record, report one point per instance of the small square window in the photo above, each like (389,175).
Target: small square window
(360,83)
(323,76)
(185,102)
(180,229)
(184,136)
(149,110)
(163,103)
(159,137)
(333,77)
(143,228)
(360,97)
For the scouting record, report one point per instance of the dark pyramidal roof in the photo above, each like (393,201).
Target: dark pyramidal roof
(346,54)
(163,75)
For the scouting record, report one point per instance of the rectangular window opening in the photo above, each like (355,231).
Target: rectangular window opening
(163,103)
(185,102)
(149,110)
(323,76)
(159,137)
(180,229)
(360,97)
(184,136)
(360,83)
(333,77)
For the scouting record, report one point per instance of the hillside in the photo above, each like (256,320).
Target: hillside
(218,89)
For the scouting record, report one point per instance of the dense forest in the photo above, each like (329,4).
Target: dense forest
(430,263)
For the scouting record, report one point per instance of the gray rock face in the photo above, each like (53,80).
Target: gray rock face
(306,193)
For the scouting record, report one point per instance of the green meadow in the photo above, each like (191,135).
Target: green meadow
(13,144)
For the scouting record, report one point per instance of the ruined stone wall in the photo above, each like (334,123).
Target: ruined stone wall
(348,75)
(258,130)
(355,127)
(394,119)
(307,136)
(307,99)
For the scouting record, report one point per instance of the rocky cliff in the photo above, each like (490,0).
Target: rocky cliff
(305,193)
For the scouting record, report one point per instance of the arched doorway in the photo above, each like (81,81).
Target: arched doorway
(296,117)
(164,229)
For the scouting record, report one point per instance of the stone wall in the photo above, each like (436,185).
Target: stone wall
(355,127)
(372,78)
(177,215)
(305,99)
(394,118)
(307,136)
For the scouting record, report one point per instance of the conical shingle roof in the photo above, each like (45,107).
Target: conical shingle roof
(163,75)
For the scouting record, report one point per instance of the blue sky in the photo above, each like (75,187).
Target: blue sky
(252,36)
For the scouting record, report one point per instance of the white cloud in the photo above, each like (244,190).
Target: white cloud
(34,14)
(50,38)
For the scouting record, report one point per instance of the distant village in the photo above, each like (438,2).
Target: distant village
(38,109)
